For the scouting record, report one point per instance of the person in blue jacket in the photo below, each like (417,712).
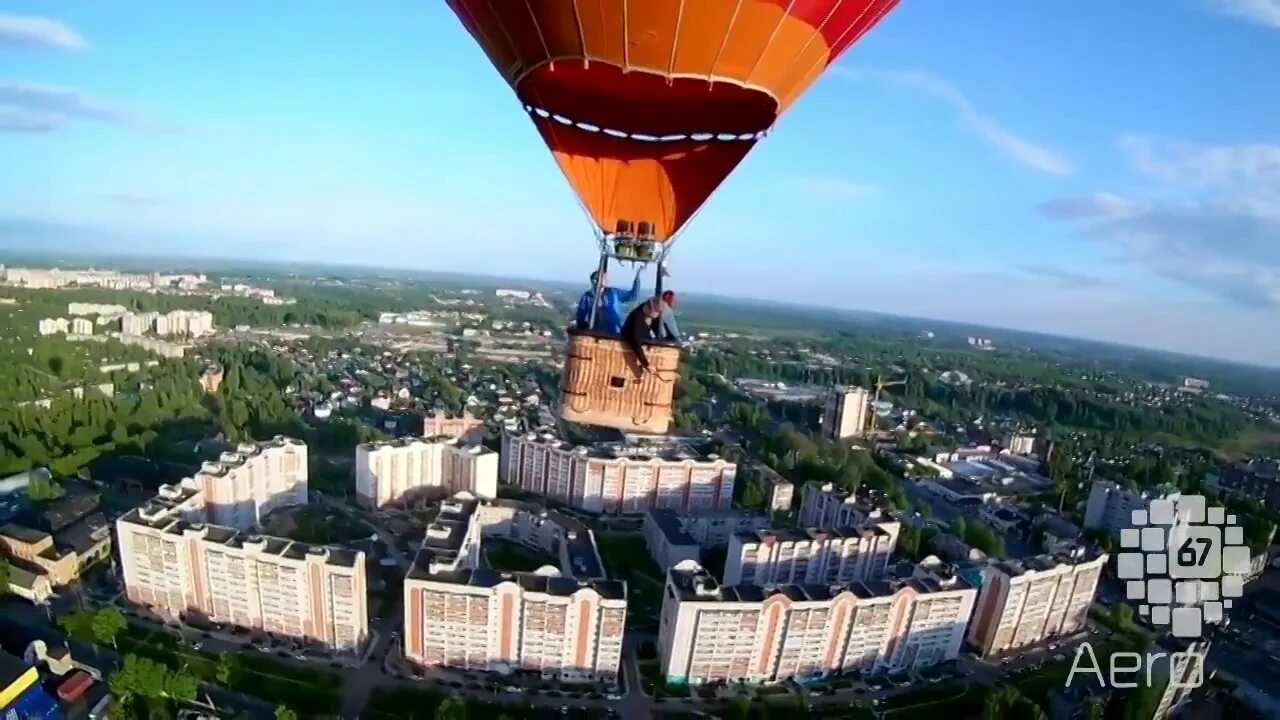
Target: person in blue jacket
(609,310)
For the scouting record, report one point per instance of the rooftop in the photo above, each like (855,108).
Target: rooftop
(696,584)
(23,534)
(672,529)
(558,586)
(69,509)
(84,535)
(12,668)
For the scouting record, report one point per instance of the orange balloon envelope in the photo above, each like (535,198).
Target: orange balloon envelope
(648,105)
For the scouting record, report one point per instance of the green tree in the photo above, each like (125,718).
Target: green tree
(284,713)
(4,574)
(106,624)
(453,708)
(79,625)
(228,668)
(42,490)
(753,495)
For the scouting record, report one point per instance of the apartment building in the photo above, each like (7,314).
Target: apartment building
(671,537)
(464,426)
(189,552)
(82,326)
(667,541)
(827,506)
(723,633)
(617,477)
(834,556)
(247,484)
(567,623)
(1029,601)
(845,414)
(1111,506)
(220,574)
(186,323)
(389,472)
(53,326)
(178,564)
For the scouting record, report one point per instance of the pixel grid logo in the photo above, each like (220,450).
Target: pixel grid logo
(1183,563)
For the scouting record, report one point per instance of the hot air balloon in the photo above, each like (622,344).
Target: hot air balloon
(647,106)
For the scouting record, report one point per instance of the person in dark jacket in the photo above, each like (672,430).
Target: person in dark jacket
(646,323)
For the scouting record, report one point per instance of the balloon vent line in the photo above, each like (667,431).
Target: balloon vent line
(645,137)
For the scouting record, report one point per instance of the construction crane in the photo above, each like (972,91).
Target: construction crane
(881,384)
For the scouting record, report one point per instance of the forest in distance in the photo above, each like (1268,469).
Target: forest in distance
(343,295)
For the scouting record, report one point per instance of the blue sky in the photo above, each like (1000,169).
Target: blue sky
(1102,169)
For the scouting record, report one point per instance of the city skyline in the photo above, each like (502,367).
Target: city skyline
(1114,180)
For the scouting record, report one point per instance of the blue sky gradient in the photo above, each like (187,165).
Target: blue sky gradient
(1108,169)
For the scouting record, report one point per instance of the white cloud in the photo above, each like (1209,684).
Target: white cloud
(1252,166)
(36,107)
(831,188)
(22,31)
(1262,12)
(1009,143)
(1087,207)
(1217,227)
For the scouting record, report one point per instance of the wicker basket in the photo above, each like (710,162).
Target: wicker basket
(604,385)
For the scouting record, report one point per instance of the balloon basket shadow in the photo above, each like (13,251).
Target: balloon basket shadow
(604,385)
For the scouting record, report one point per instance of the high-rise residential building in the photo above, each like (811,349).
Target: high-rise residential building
(257,478)
(826,506)
(463,426)
(845,414)
(388,472)
(1111,506)
(671,537)
(1020,443)
(1029,601)
(565,623)
(1182,665)
(834,556)
(177,560)
(82,326)
(138,323)
(80,308)
(617,478)
(722,633)
(53,326)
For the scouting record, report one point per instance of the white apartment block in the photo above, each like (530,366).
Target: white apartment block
(1030,601)
(714,633)
(137,323)
(1111,506)
(389,472)
(186,323)
(835,556)
(567,624)
(244,486)
(617,479)
(671,537)
(826,506)
(178,564)
(79,308)
(845,414)
(466,427)
(53,326)
(1020,443)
